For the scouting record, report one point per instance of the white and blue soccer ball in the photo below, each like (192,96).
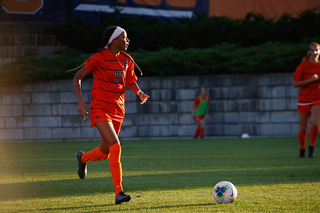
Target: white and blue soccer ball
(224,192)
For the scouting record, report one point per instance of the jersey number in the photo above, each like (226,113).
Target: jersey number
(119,76)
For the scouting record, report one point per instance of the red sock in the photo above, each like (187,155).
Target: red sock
(201,132)
(115,166)
(302,139)
(94,155)
(196,134)
(314,132)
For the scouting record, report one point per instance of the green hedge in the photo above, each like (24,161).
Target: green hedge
(199,32)
(226,58)
(223,59)
(41,69)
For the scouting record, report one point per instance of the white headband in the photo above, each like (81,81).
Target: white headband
(114,35)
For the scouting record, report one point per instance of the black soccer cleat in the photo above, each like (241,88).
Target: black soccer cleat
(311,152)
(82,167)
(122,197)
(302,153)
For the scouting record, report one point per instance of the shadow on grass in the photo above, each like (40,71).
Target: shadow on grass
(132,209)
(168,181)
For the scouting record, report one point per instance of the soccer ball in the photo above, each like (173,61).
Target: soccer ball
(224,192)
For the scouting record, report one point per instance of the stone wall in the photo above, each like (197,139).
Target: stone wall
(26,39)
(260,105)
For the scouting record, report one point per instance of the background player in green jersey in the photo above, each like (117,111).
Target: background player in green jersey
(199,110)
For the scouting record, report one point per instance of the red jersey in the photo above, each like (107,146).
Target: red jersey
(110,73)
(309,93)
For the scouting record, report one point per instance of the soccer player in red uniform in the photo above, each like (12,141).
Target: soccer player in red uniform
(112,69)
(199,110)
(306,77)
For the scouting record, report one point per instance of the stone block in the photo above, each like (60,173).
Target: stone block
(129,132)
(272,79)
(36,87)
(277,92)
(217,81)
(48,121)
(272,129)
(185,130)
(1,123)
(158,131)
(19,122)
(233,129)
(291,104)
(214,106)
(214,93)
(164,119)
(158,107)
(284,117)
(245,117)
(65,109)
(184,106)
(241,105)
(131,120)
(273,104)
(149,82)
(211,130)
(162,95)
(292,92)
(15,99)
(45,98)
(213,118)
(180,82)
(132,107)
(295,127)
(37,110)
(89,133)
(75,121)
(7,111)
(144,119)
(70,97)
(186,94)
(131,96)
(86,84)
(66,133)
(37,133)
(186,118)
(251,129)
(62,86)
(11,134)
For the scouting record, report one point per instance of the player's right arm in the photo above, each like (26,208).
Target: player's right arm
(305,82)
(193,107)
(192,110)
(77,87)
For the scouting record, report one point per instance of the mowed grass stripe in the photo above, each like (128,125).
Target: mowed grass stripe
(162,176)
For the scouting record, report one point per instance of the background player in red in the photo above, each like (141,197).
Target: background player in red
(199,110)
(112,69)
(306,77)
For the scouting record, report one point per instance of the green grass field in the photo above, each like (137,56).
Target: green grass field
(162,176)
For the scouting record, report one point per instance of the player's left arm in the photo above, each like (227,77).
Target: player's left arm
(136,89)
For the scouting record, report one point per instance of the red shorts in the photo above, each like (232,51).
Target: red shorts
(100,116)
(198,118)
(307,108)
